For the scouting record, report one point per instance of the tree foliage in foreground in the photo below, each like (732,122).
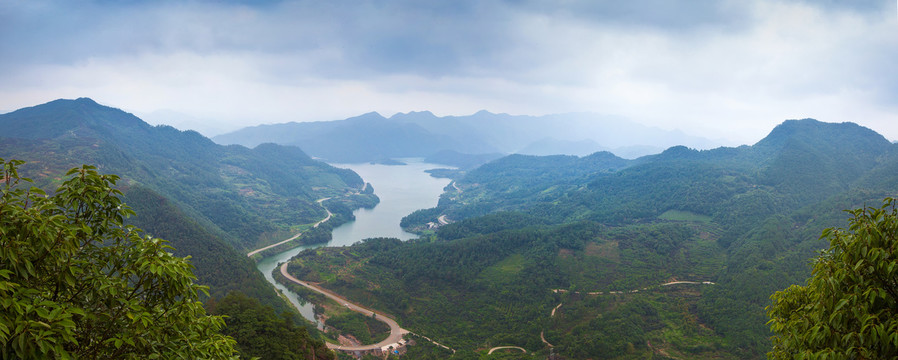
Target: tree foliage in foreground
(76,283)
(849,308)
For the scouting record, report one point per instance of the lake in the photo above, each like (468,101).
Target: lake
(402,189)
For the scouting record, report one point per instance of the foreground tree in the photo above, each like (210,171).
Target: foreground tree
(75,282)
(849,308)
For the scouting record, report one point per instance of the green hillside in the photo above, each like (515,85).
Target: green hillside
(216,263)
(211,202)
(250,197)
(599,236)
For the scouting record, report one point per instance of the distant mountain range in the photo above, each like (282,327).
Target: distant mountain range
(372,137)
(182,121)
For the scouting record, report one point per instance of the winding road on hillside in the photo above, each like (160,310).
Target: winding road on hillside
(506,347)
(443,220)
(328,217)
(634,290)
(542,334)
(396,332)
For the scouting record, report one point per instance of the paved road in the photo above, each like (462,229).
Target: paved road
(637,290)
(328,217)
(395,331)
(688,282)
(542,333)
(554,309)
(506,347)
(456,187)
(542,336)
(442,219)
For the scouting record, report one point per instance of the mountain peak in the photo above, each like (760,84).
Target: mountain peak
(86,100)
(679,152)
(374,115)
(82,102)
(811,129)
(792,126)
(414,116)
(417,113)
(64,117)
(809,137)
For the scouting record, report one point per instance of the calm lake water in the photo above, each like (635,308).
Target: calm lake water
(402,189)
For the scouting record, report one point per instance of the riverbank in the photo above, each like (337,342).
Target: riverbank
(400,190)
(328,217)
(394,341)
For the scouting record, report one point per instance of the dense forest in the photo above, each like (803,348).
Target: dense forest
(210,202)
(249,197)
(78,282)
(598,235)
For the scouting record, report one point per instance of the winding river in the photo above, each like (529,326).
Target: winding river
(402,189)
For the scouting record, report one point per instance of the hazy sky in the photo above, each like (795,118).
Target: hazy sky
(730,69)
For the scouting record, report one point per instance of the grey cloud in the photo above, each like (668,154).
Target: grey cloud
(432,39)
(536,54)
(429,41)
(369,36)
(658,14)
(862,6)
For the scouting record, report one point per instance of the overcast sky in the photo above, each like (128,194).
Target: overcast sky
(720,69)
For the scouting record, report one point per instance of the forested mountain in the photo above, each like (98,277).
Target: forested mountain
(371,137)
(244,195)
(598,236)
(798,163)
(212,202)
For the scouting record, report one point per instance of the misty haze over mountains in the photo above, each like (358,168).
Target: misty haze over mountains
(182,121)
(372,137)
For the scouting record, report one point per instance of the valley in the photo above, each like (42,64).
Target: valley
(669,255)
(448,180)
(724,228)
(400,188)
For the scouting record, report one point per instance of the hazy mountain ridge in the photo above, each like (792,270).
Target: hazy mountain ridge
(370,137)
(550,146)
